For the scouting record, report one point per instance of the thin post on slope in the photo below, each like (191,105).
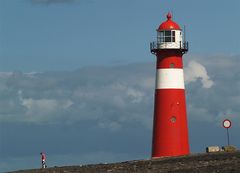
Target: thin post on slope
(228,141)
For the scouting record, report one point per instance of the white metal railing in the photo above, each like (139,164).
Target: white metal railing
(183,46)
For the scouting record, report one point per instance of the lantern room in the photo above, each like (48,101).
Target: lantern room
(169,36)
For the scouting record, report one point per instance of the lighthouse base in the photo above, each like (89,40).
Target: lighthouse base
(170,132)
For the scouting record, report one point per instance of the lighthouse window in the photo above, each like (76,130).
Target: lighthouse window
(173,119)
(167,39)
(166,36)
(173,36)
(167,33)
(172,65)
(161,36)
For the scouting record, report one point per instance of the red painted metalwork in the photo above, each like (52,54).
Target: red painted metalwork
(166,58)
(170,130)
(169,24)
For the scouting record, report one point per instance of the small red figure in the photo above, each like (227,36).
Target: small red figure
(43,158)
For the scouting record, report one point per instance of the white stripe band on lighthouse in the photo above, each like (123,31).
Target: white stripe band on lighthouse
(169,79)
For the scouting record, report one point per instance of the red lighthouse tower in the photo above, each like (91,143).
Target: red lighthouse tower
(170,131)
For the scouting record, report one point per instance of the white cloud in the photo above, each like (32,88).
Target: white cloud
(41,104)
(113,126)
(148,82)
(43,110)
(134,95)
(195,71)
(6,74)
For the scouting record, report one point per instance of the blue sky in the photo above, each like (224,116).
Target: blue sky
(55,36)
(77,78)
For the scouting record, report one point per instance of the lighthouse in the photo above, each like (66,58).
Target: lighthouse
(170,129)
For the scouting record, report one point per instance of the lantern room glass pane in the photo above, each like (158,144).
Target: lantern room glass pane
(161,33)
(166,36)
(167,33)
(173,39)
(168,39)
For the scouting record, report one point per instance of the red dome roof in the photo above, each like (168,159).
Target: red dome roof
(169,24)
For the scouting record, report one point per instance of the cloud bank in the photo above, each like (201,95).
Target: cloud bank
(110,97)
